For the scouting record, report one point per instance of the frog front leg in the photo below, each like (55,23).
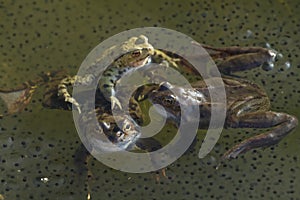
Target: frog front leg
(107,84)
(283,124)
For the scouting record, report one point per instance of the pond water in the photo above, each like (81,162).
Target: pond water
(38,146)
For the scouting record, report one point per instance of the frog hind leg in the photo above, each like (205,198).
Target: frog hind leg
(234,59)
(283,124)
(244,62)
(17,99)
(82,158)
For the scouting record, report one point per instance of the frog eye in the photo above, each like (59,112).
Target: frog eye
(126,127)
(168,101)
(119,134)
(136,53)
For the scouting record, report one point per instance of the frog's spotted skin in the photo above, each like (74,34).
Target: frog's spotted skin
(38,36)
(114,72)
(138,55)
(248,105)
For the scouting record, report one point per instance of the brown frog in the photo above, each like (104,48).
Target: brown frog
(247,105)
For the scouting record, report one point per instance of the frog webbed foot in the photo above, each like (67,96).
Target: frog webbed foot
(283,124)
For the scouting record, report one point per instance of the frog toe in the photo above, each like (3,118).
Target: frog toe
(115,102)
(73,102)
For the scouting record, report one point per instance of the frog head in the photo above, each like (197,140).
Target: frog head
(123,131)
(138,54)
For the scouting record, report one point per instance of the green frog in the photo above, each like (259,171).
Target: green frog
(137,55)
(247,103)
(122,137)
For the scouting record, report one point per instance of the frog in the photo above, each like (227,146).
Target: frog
(16,99)
(232,59)
(122,130)
(137,55)
(247,104)
(127,136)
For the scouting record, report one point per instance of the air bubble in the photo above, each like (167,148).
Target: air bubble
(268,66)
(249,33)
(287,65)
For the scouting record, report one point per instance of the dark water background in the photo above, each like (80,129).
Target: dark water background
(40,36)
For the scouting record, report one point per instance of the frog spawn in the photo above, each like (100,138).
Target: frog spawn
(125,144)
(270,173)
(120,136)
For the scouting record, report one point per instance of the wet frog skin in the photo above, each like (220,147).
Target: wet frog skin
(123,137)
(138,55)
(247,105)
